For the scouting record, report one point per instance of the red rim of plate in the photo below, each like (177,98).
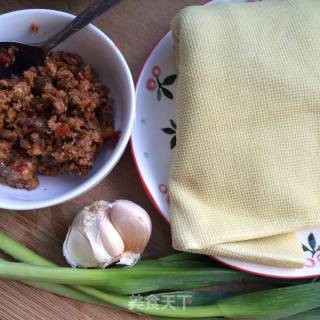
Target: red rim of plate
(154,203)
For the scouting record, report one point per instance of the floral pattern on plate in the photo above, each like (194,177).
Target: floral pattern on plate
(171,130)
(161,87)
(312,247)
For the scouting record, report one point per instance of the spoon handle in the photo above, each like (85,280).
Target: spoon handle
(80,21)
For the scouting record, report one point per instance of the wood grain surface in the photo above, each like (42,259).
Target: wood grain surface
(136,26)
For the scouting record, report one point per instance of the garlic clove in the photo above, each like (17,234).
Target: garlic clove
(76,247)
(133,224)
(92,240)
(77,250)
(105,240)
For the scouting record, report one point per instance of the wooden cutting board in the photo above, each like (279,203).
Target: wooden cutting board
(136,26)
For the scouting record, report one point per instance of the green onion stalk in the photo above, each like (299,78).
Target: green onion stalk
(144,277)
(274,304)
(65,291)
(121,280)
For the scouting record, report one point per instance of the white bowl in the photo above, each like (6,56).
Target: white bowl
(99,51)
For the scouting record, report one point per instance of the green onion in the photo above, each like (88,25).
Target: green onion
(178,264)
(210,295)
(65,291)
(210,318)
(142,278)
(272,304)
(125,280)
(185,256)
(21,253)
(166,318)
(310,315)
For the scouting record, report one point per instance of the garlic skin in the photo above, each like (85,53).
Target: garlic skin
(104,233)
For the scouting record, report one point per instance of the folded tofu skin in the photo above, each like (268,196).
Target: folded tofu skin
(246,173)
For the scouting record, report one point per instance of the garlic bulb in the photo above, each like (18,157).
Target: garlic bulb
(104,233)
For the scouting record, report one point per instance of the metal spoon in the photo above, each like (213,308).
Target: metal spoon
(27,55)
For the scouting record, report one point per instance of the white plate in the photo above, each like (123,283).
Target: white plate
(152,143)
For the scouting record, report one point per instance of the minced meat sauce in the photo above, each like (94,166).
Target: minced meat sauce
(53,120)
